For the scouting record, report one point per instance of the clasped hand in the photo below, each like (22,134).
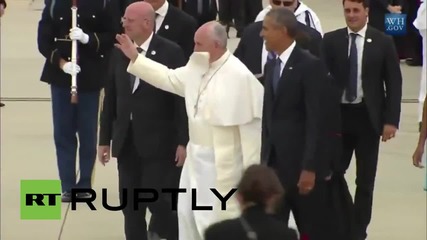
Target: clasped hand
(71,68)
(79,35)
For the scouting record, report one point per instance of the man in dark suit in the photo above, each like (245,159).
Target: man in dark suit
(202,10)
(251,49)
(145,126)
(365,66)
(95,38)
(292,126)
(179,27)
(172,23)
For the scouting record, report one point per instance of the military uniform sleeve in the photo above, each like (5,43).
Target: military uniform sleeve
(103,39)
(45,36)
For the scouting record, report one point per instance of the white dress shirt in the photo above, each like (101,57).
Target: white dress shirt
(284,57)
(360,42)
(162,11)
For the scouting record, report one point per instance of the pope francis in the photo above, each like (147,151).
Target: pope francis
(224,107)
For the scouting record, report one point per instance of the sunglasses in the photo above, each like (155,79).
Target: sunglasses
(283,3)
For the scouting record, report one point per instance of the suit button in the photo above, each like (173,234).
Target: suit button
(102,56)
(60,18)
(69,59)
(93,16)
(78,15)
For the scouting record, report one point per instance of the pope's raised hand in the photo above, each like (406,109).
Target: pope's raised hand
(126,45)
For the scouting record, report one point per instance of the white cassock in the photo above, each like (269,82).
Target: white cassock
(421,25)
(224,107)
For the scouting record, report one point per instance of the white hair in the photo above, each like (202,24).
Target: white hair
(219,34)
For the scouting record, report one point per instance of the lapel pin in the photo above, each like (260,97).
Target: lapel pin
(153,52)
(369,40)
(167,27)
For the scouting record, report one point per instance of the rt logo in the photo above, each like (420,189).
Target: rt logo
(40,199)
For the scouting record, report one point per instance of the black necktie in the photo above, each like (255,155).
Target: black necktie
(155,21)
(132,77)
(351,91)
(271,56)
(276,74)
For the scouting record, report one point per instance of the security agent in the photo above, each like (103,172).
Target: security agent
(95,36)
(303,13)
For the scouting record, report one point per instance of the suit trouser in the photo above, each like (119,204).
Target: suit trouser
(70,120)
(140,172)
(252,9)
(313,213)
(423,84)
(360,137)
(414,40)
(230,10)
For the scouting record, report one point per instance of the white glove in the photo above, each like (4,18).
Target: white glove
(79,35)
(70,68)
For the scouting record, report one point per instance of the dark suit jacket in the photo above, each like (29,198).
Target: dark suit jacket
(154,125)
(181,28)
(208,14)
(249,50)
(265,226)
(292,120)
(381,74)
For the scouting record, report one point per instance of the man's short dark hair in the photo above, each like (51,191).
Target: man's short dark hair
(364,2)
(284,17)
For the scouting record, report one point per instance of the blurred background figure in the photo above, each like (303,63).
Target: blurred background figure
(303,13)
(258,193)
(377,11)
(419,155)
(252,8)
(414,41)
(421,25)
(202,10)
(232,14)
(2,8)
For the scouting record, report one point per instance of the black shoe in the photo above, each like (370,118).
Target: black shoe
(413,62)
(84,195)
(2,105)
(66,197)
(153,236)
